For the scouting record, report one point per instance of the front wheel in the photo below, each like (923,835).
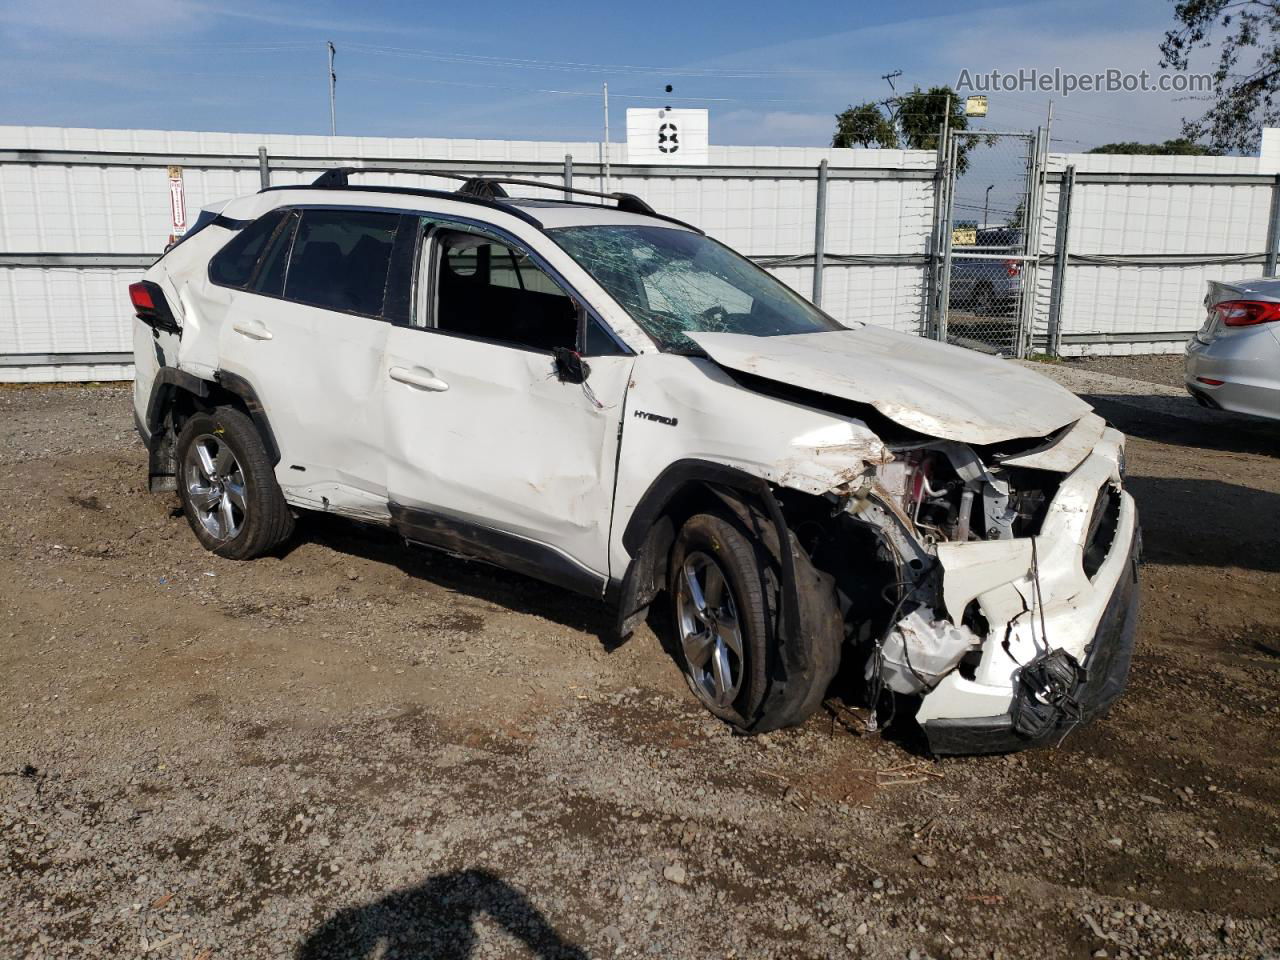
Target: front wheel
(724,587)
(228,487)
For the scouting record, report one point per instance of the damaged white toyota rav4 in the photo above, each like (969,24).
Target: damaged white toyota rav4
(611,401)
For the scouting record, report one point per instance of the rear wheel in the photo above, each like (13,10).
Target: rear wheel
(228,487)
(724,585)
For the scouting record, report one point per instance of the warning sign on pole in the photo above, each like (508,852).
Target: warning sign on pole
(177,204)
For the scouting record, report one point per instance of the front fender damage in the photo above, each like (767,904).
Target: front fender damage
(1010,580)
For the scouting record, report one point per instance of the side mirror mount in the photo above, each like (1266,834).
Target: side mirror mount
(570,367)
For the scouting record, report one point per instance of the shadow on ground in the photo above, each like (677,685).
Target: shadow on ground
(1210,430)
(436,921)
(1206,522)
(501,587)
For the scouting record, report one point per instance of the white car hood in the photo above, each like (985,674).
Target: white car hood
(932,388)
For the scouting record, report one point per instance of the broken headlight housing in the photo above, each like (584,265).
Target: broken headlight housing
(948,494)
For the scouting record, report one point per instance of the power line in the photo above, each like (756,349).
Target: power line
(576,66)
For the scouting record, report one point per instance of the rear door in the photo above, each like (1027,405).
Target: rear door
(309,334)
(491,451)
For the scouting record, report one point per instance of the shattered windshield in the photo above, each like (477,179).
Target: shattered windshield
(675,281)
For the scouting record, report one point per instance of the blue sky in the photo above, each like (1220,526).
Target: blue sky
(771,74)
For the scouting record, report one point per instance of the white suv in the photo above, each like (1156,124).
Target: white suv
(613,402)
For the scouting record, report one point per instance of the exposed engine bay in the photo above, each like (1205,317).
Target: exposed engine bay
(988,566)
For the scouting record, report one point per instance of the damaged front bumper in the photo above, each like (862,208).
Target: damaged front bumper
(1106,670)
(1058,610)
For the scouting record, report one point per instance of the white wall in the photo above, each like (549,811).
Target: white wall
(1159,221)
(52,207)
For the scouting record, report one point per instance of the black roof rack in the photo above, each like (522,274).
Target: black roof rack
(478,189)
(487,187)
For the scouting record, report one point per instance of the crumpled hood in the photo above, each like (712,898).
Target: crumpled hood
(933,388)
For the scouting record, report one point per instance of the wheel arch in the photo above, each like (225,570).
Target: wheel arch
(175,395)
(684,488)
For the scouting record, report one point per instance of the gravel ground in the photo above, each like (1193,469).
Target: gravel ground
(350,751)
(1161,368)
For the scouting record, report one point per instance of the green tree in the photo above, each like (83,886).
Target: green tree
(1246,78)
(1179,147)
(864,126)
(911,121)
(920,114)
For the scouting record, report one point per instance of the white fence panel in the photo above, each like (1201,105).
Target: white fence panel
(74,230)
(759,200)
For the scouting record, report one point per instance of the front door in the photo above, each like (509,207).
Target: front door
(492,450)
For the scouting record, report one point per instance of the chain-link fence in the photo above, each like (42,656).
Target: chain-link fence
(988,263)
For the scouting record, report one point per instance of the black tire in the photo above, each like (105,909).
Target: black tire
(264,519)
(778,687)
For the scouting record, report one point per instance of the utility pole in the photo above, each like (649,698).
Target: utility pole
(895,107)
(333,89)
(606,139)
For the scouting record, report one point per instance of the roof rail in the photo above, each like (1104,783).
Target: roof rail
(488,187)
(627,202)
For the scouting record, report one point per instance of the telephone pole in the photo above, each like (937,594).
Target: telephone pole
(333,89)
(606,139)
(895,108)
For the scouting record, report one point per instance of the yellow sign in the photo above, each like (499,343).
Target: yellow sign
(975,106)
(964,236)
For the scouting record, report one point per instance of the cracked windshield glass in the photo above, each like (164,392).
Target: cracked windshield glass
(674,282)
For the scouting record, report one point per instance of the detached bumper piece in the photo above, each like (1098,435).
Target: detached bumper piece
(1054,694)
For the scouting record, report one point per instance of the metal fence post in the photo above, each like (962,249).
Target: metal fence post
(568,175)
(932,307)
(264,168)
(1033,220)
(948,232)
(1061,262)
(820,234)
(1273,229)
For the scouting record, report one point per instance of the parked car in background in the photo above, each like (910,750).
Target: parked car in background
(990,287)
(610,400)
(1233,361)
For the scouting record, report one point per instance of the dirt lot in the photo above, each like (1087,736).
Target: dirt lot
(350,751)
(1162,368)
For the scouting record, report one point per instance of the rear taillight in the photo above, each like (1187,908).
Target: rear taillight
(1246,313)
(151,307)
(1012,267)
(141,297)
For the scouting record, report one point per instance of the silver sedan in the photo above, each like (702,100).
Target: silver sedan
(1233,363)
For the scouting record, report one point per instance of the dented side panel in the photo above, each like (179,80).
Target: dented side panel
(680,408)
(506,445)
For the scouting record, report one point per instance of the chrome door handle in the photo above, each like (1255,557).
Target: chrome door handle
(418,377)
(253,329)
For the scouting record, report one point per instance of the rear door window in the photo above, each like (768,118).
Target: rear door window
(340,260)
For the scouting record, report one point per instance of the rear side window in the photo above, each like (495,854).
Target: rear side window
(340,260)
(232,266)
(271,274)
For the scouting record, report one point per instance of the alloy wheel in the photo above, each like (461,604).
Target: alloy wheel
(215,487)
(710,632)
